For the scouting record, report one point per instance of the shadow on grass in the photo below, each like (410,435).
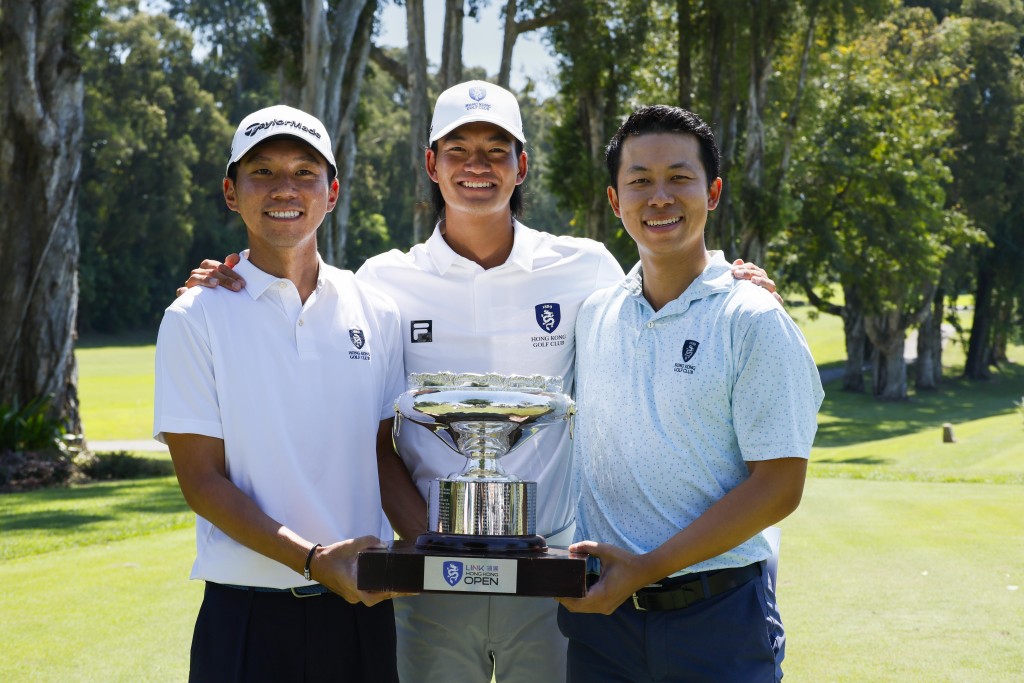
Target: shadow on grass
(67,510)
(848,418)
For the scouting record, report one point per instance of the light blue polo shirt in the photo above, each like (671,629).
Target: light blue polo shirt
(672,403)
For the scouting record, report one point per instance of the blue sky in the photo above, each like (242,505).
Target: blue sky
(481,43)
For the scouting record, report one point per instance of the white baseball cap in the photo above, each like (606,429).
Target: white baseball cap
(281,121)
(476,101)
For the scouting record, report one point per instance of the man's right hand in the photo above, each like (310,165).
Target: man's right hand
(212,274)
(334,566)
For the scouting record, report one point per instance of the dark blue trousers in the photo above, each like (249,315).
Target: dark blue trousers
(733,637)
(245,635)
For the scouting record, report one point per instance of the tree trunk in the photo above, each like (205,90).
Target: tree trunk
(592,103)
(41,124)
(856,340)
(684,39)
(336,225)
(928,367)
(979,346)
(889,369)
(416,64)
(793,117)
(508,43)
(451,48)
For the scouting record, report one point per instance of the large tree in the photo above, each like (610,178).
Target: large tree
(40,158)
(870,175)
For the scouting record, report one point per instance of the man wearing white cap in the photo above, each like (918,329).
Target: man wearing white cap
(484,293)
(251,393)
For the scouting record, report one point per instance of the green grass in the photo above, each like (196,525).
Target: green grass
(900,564)
(896,581)
(115,388)
(55,520)
(119,611)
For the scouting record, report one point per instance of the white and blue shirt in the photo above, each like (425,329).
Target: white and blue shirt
(672,403)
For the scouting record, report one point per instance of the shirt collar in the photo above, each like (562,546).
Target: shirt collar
(257,282)
(716,277)
(524,249)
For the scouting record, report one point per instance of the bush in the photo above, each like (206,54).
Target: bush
(121,465)
(33,451)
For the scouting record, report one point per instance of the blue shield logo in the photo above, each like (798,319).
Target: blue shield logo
(357,337)
(477,94)
(689,348)
(452,572)
(548,316)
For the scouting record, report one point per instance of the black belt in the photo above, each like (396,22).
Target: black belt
(678,592)
(298,591)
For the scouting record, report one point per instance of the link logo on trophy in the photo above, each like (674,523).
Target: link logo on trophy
(482,522)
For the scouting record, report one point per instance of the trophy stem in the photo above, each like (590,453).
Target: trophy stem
(483,443)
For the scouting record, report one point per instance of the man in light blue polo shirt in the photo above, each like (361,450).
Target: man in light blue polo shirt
(697,403)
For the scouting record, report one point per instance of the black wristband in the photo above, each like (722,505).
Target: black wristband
(309,559)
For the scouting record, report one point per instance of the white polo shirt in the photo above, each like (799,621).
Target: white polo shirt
(516,318)
(296,391)
(673,403)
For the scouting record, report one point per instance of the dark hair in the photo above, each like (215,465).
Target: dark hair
(515,203)
(660,118)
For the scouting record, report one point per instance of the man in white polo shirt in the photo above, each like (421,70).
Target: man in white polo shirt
(485,293)
(273,403)
(697,401)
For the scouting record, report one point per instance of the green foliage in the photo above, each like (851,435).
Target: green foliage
(870,166)
(32,449)
(122,465)
(155,145)
(30,428)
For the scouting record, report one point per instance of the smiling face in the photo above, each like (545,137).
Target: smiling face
(663,195)
(476,168)
(283,191)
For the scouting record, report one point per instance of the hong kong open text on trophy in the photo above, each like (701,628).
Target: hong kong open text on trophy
(482,533)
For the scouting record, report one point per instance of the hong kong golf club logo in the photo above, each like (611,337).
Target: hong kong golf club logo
(689,349)
(548,316)
(357,337)
(477,94)
(452,572)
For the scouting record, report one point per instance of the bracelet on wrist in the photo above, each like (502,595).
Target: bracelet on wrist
(309,560)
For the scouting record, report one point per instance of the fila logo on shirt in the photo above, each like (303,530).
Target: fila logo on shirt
(689,351)
(421,331)
(358,339)
(548,317)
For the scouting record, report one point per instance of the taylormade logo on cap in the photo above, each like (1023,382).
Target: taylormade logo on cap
(475,101)
(281,121)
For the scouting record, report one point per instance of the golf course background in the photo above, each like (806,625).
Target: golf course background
(903,563)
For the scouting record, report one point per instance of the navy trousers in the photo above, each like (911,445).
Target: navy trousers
(245,635)
(733,637)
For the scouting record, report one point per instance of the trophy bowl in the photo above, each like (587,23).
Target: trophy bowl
(483,417)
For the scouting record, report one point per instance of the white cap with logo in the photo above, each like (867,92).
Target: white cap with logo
(476,101)
(281,121)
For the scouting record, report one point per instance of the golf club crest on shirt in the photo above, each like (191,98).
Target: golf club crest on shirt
(548,316)
(452,572)
(357,337)
(689,349)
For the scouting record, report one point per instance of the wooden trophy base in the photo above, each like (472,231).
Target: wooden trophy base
(404,568)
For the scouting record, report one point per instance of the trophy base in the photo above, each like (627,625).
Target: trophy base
(404,568)
(466,543)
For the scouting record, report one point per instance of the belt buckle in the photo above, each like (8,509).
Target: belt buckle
(636,604)
(304,595)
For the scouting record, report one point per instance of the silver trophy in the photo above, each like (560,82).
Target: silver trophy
(482,508)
